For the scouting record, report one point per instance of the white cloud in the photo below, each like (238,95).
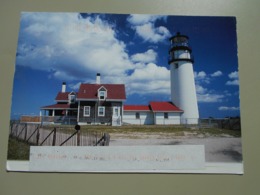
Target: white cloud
(144,25)
(152,34)
(140,19)
(209,98)
(216,74)
(149,56)
(75,87)
(149,79)
(233,82)
(205,95)
(225,108)
(57,42)
(234,78)
(233,75)
(200,89)
(201,77)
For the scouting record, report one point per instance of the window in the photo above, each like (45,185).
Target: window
(137,115)
(101,111)
(72,99)
(102,95)
(176,65)
(86,111)
(166,115)
(176,55)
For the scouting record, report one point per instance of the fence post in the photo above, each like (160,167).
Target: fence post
(106,139)
(11,126)
(54,137)
(37,136)
(78,138)
(25,133)
(17,129)
(77,128)
(96,137)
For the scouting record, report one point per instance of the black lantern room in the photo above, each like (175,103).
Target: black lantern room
(179,49)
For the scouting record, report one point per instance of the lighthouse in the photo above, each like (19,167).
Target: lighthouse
(183,92)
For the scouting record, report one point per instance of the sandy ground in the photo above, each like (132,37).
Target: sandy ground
(222,148)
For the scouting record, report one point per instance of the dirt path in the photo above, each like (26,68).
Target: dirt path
(217,149)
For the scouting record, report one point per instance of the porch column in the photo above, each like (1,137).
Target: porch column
(78,111)
(53,112)
(40,116)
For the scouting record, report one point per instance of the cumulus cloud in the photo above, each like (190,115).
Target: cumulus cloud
(149,56)
(234,80)
(210,97)
(140,19)
(201,77)
(144,25)
(233,75)
(200,89)
(204,95)
(57,42)
(148,32)
(151,78)
(226,108)
(217,74)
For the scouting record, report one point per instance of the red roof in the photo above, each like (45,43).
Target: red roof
(59,106)
(154,106)
(62,96)
(136,108)
(90,91)
(164,107)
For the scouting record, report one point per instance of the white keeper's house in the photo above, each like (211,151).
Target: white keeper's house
(104,103)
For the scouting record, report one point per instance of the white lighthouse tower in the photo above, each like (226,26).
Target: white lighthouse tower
(183,92)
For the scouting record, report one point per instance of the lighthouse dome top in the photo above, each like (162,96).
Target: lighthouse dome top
(179,38)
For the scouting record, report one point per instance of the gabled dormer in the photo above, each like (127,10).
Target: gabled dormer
(72,97)
(102,93)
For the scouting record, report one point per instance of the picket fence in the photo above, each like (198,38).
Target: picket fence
(36,134)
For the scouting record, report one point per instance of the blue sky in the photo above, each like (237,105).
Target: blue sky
(125,48)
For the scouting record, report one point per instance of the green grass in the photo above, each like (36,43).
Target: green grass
(219,132)
(129,129)
(18,150)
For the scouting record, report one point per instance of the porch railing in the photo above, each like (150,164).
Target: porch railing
(66,120)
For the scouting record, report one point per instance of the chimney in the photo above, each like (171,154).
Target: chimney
(63,89)
(98,78)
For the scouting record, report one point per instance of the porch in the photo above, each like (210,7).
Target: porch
(62,120)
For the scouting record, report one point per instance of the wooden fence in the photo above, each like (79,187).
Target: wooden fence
(57,136)
(225,123)
(30,119)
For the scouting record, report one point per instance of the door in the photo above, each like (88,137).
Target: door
(116,111)
(116,119)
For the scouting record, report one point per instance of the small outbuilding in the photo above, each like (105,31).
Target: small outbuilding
(156,113)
